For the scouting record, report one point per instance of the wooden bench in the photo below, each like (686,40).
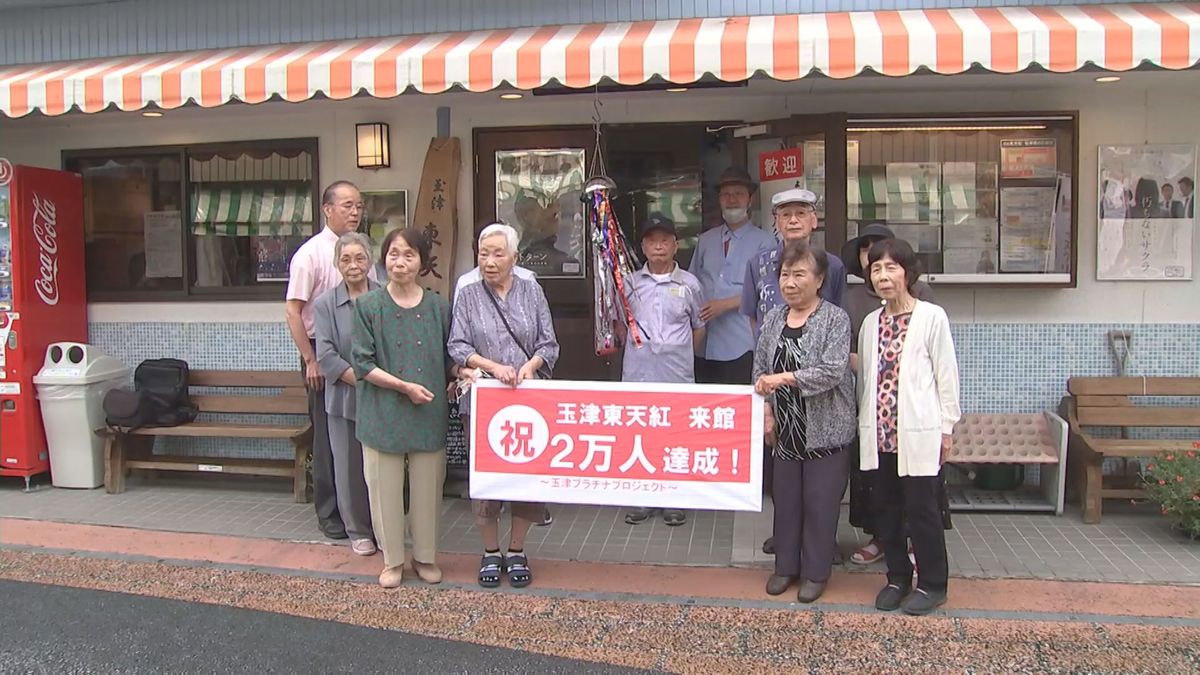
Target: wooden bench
(1107,402)
(1015,438)
(283,393)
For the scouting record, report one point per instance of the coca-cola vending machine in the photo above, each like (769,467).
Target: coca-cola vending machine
(42,300)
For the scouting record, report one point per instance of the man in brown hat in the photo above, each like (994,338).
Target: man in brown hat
(720,261)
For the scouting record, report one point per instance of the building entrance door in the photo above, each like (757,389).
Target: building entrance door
(532,179)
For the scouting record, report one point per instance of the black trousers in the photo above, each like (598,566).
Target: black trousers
(324,488)
(808,497)
(737,371)
(917,501)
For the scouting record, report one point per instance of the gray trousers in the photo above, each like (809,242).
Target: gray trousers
(353,502)
(324,490)
(808,497)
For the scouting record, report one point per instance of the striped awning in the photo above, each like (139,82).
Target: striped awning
(252,211)
(787,47)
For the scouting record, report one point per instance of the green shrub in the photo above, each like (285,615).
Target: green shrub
(1173,481)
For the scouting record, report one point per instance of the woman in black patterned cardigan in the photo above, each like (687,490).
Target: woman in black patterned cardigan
(802,366)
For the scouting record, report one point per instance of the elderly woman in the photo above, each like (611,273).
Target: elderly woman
(333,316)
(861,300)
(400,332)
(908,405)
(802,364)
(502,327)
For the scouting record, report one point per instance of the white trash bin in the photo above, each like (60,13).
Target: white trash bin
(71,386)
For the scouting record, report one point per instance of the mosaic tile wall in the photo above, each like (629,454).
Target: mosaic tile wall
(1004,367)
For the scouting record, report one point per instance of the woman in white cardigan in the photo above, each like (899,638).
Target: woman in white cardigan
(908,405)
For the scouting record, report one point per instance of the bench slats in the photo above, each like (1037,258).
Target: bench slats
(207,429)
(1129,447)
(245,378)
(1103,401)
(280,405)
(1139,416)
(246,467)
(1134,386)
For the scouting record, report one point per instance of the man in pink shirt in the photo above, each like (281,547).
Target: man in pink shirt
(312,272)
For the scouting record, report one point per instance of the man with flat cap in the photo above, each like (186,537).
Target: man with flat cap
(719,262)
(666,302)
(795,214)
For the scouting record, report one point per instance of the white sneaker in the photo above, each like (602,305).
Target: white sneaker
(363,547)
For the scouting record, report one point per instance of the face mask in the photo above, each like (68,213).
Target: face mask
(734,215)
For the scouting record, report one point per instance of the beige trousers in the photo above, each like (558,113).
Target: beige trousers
(385,486)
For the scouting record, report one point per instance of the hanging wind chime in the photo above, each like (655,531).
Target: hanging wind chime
(611,257)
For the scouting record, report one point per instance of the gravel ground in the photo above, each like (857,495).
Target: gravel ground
(669,636)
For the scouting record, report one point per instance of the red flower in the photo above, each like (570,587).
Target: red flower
(1196,498)
(1149,467)
(1178,479)
(1162,482)
(1191,454)
(1166,511)
(1170,458)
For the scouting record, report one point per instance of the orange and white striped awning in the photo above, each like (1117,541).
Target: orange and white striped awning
(789,47)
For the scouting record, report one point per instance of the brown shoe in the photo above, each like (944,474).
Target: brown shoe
(810,590)
(391,577)
(428,572)
(777,584)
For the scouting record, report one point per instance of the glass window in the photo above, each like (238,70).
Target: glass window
(120,194)
(220,219)
(973,196)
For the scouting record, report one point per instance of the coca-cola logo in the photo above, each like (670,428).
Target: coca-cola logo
(6,171)
(45,231)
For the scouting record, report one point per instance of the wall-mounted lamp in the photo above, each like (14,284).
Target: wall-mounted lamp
(374,151)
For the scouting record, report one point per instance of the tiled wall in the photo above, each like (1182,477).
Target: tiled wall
(1004,367)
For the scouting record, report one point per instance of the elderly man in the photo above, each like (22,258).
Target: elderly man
(312,272)
(666,303)
(719,262)
(795,213)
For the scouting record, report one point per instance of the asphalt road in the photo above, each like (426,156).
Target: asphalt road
(53,629)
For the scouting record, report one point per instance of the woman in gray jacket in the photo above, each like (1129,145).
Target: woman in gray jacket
(802,364)
(333,316)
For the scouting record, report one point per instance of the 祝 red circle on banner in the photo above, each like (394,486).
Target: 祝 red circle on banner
(6,171)
(518,434)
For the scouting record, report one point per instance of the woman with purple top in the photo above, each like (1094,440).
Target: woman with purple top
(502,328)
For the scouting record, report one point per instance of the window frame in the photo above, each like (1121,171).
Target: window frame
(1007,279)
(190,293)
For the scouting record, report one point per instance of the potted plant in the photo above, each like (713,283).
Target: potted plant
(1173,481)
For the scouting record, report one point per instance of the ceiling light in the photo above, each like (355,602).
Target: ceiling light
(152,113)
(1108,78)
(677,90)
(511,96)
(984,127)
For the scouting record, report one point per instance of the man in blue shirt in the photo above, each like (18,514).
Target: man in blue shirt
(666,303)
(719,262)
(795,213)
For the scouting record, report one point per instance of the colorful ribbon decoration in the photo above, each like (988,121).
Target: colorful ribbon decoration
(611,258)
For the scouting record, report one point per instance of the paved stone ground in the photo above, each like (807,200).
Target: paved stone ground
(1132,544)
(699,637)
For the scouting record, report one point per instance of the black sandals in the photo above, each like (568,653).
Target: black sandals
(490,569)
(519,574)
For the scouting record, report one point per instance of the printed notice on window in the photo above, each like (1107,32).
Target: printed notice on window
(1025,229)
(164,244)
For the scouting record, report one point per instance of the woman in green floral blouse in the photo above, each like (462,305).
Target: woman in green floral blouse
(399,351)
